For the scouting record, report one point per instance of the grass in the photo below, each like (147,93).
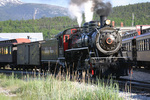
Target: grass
(50,88)
(3,97)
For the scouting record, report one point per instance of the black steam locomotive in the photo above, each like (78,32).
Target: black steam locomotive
(94,48)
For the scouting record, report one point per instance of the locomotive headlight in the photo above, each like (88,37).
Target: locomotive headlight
(98,24)
(108,22)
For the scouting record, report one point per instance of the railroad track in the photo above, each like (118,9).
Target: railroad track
(20,72)
(134,86)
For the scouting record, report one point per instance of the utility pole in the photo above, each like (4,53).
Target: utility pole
(132,19)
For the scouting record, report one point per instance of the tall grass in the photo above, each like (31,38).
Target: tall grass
(50,88)
(3,97)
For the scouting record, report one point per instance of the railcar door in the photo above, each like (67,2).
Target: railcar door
(61,49)
(134,50)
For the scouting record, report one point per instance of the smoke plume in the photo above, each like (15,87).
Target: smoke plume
(101,8)
(88,7)
(75,12)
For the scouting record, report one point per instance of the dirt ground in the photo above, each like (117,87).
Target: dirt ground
(6,92)
(139,74)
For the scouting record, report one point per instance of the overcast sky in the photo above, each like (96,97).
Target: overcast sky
(64,3)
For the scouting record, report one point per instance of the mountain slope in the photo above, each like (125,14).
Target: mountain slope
(5,2)
(18,11)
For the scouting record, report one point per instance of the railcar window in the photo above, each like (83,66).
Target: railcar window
(147,44)
(10,50)
(6,50)
(130,46)
(0,51)
(142,45)
(138,46)
(126,46)
(3,50)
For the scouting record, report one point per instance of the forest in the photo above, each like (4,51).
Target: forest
(48,26)
(52,26)
(124,14)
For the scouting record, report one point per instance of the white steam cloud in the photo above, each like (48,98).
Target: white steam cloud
(78,7)
(75,12)
(88,11)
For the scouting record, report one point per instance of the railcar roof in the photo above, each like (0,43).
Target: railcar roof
(138,36)
(21,40)
(23,43)
(15,41)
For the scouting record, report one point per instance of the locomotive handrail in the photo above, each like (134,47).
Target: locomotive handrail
(74,49)
(93,58)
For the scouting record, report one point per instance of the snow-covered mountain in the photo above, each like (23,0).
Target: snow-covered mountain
(17,10)
(5,2)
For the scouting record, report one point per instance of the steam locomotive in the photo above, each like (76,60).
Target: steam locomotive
(94,48)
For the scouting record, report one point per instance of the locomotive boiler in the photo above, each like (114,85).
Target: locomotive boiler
(106,40)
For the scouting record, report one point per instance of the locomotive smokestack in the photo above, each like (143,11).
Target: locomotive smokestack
(102,20)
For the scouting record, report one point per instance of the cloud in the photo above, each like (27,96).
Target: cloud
(63,3)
